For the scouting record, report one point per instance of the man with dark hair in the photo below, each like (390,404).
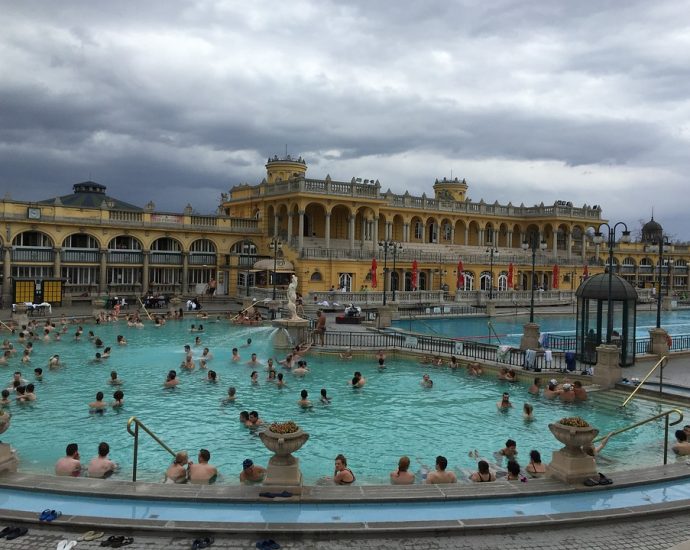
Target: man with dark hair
(101,466)
(203,472)
(69,464)
(681,447)
(439,475)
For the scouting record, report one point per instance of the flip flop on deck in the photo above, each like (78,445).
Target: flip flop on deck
(603,480)
(202,543)
(92,535)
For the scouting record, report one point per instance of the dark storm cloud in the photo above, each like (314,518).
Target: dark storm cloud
(159,98)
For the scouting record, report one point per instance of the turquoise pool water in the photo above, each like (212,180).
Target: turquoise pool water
(391,416)
(402,512)
(507,329)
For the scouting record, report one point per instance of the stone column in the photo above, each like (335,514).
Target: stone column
(351,232)
(103,272)
(658,341)
(289,229)
(452,234)
(328,230)
(467,235)
(530,336)
(406,232)
(509,238)
(145,274)
(555,246)
(276,221)
(481,237)
(185,272)
(300,236)
(375,233)
(7,276)
(607,371)
(570,245)
(57,262)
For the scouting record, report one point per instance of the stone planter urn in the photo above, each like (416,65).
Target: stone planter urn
(573,438)
(571,464)
(283,468)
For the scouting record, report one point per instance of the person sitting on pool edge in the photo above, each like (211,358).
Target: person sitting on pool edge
(535,468)
(251,473)
(681,447)
(177,471)
(483,473)
(342,475)
(203,472)
(101,466)
(69,465)
(402,476)
(440,475)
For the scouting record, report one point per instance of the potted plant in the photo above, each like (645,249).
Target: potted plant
(574,432)
(283,439)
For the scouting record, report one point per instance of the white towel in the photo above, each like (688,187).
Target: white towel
(548,356)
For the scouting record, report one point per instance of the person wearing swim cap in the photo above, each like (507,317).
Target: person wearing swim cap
(251,473)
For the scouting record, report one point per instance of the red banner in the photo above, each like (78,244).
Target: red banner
(374,282)
(554,283)
(511,274)
(415,273)
(460,284)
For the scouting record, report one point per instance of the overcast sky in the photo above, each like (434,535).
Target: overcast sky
(177,101)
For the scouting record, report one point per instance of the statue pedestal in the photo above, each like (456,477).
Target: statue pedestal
(530,336)
(283,468)
(571,469)
(8,459)
(658,341)
(668,303)
(491,311)
(290,332)
(607,371)
(571,464)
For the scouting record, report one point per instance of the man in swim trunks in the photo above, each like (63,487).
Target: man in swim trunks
(251,473)
(504,403)
(320,329)
(98,406)
(202,473)
(69,465)
(440,475)
(101,466)
(253,362)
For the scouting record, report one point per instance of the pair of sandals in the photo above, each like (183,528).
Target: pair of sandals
(11,533)
(202,543)
(66,544)
(117,541)
(602,480)
(49,515)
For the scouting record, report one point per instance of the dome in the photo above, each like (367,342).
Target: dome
(597,288)
(651,231)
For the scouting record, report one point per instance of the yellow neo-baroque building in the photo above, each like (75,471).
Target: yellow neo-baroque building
(331,230)
(326,232)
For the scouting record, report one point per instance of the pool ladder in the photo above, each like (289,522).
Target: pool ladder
(660,364)
(134,421)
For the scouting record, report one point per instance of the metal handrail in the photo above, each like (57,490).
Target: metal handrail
(135,434)
(665,414)
(660,363)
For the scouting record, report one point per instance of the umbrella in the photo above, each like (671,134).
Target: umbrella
(373,273)
(554,283)
(415,270)
(585,273)
(511,271)
(461,276)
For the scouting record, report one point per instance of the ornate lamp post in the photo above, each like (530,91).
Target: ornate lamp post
(393,246)
(598,239)
(660,241)
(492,251)
(534,245)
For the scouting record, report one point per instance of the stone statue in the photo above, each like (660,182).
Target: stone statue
(292,298)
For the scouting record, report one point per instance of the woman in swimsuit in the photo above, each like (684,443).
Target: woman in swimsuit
(483,474)
(177,472)
(343,475)
(535,468)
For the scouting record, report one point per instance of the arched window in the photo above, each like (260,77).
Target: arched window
(316,276)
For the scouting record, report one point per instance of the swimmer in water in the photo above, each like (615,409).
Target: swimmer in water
(171,381)
(255,378)
(232,396)
(280,383)
(98,406)
(324,397)
(114,380)
(253,362)
(303,401)
(426,382)
(358,381)
(235,355)
(119,398)
(212,377)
